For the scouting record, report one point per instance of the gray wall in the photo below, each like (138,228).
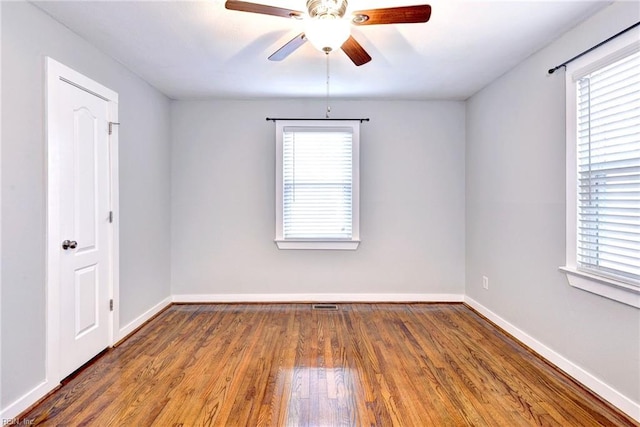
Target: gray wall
(515,213)
(412,201)
(28,35)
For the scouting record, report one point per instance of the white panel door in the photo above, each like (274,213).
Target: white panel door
(82,119)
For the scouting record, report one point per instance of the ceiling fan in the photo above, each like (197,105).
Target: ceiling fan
(327,28)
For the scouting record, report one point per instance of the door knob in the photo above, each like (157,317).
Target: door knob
(69,244)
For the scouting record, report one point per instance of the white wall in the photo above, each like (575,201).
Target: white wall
(412,201)
(515,215)
(28,35)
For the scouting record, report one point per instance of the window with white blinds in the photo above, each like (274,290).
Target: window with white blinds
(317,179)
(603,170)
(608,147)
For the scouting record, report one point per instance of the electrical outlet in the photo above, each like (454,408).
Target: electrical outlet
(485,282)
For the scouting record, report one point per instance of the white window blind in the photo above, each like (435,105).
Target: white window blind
(317,183)
(608,166)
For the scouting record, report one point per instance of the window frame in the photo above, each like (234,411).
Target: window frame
(608,287)
(318,243)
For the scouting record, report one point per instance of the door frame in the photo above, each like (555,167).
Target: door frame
(55,72)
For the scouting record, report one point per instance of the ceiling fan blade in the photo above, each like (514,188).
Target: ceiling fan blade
(244,6)
(288,48)
(393,15)
(355,52)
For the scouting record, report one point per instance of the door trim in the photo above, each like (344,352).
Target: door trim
(55,72)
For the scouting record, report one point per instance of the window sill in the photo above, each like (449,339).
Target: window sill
(608,288)
(339,245)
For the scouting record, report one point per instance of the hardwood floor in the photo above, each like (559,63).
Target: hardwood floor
(285,364)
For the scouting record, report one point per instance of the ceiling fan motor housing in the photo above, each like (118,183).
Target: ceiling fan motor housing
(320,8)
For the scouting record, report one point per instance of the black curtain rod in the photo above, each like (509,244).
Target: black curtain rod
(275,119)
(564,64)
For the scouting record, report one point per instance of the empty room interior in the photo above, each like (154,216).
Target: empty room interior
(320,213)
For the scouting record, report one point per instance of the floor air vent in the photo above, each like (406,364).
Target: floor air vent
(324,306)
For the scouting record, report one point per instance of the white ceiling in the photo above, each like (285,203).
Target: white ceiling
(198,49)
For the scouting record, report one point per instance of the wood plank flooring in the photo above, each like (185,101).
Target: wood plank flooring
(288,365)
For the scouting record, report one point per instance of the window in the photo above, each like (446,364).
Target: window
(603,172)
(317,184)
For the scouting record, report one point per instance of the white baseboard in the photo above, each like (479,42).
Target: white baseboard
(23,403)
(140,320)
(240,298)
(585,378)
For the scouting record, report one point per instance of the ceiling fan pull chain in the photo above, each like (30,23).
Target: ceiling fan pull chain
(328,107)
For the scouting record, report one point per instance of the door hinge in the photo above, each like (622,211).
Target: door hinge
(110,305)
(110,216)
(111,124)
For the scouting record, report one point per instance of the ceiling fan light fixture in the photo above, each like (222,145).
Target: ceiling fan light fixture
(327,33)
(327,7)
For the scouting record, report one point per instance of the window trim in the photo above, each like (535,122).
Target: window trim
(617,290)
(319,244)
